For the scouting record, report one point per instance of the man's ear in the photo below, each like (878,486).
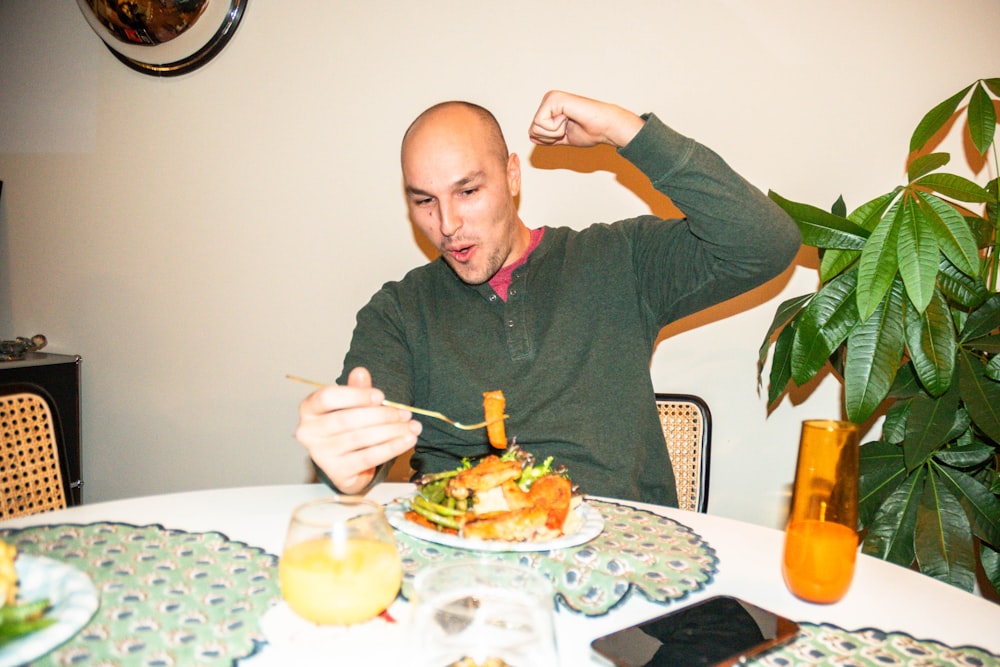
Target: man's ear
(514,174)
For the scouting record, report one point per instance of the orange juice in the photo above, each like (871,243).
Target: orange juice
(819,559)
(340,587)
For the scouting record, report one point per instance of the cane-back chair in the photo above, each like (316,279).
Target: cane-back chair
(31,477)
(687,430)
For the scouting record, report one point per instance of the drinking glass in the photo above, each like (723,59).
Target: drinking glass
(821,539)
(480,613)
(340,565)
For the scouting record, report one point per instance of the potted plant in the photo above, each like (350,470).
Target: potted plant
(908,316)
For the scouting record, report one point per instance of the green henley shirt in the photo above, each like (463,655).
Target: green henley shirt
(571,346)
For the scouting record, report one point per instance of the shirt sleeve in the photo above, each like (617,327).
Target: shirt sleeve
(379,343)
(732,237)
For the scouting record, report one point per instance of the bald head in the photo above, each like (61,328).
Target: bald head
(461,188)
(457,120)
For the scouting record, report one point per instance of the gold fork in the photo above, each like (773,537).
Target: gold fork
(429,413)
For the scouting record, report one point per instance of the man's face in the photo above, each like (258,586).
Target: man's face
(460,192)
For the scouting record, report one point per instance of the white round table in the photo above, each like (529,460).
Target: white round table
(882,596)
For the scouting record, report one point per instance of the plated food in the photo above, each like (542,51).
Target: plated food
(59,600)
(18,618)
(508,500)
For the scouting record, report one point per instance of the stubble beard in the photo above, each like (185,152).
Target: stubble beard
(470,275)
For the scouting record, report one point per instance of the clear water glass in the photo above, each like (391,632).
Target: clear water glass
(477,613)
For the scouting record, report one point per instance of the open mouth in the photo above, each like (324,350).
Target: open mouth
(462,253)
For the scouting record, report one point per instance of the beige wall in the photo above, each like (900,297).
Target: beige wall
(196,238)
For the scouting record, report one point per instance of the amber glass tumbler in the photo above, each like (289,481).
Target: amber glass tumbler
(821,539)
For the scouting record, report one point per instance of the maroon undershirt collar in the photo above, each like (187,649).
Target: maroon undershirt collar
(502,279)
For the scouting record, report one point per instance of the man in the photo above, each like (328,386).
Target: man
(564,322)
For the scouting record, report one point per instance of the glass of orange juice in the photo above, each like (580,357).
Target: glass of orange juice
(821,539)
(340,565)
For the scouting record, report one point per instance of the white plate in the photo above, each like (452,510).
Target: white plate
(592,523)
(74,600)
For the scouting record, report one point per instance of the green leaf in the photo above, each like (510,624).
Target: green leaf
(969,456)
(891,534)
(964,290)
(926,164)
(993,368)
(960,434)
(824,324)
(993,85)
(917,254)
(786,311)
(868,214)
(874,351)
(983,320)
(935,119)
(990,344)
(982,119)
(894,426)
(927,426)
(834,261)
(982,506)
(981,227)
(956,187)
(781,364)
(931,341)
(989,558)
(943,538)
(952,232)
(880,472)
(839,207)
(905,385)
(821,229)
(878,264)
(980,394)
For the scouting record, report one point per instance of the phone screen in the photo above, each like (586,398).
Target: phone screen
(717,631)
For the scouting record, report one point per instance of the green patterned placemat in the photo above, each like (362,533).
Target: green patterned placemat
(832,646)
(168,597)
(638,550)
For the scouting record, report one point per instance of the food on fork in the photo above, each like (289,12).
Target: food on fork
(493,406)
(506,497)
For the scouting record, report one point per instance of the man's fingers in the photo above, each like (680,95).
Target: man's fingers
(359,377)
(358,424)
(339,397)
(356,453)
(548,132)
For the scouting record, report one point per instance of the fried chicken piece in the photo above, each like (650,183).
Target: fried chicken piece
(491,472)
(514,526)
(515,496)
(538,514)
(554,493)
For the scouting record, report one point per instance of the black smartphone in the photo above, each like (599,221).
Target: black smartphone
(719,631)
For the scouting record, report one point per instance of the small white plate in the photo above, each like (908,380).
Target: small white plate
(73,597)
(591,525)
